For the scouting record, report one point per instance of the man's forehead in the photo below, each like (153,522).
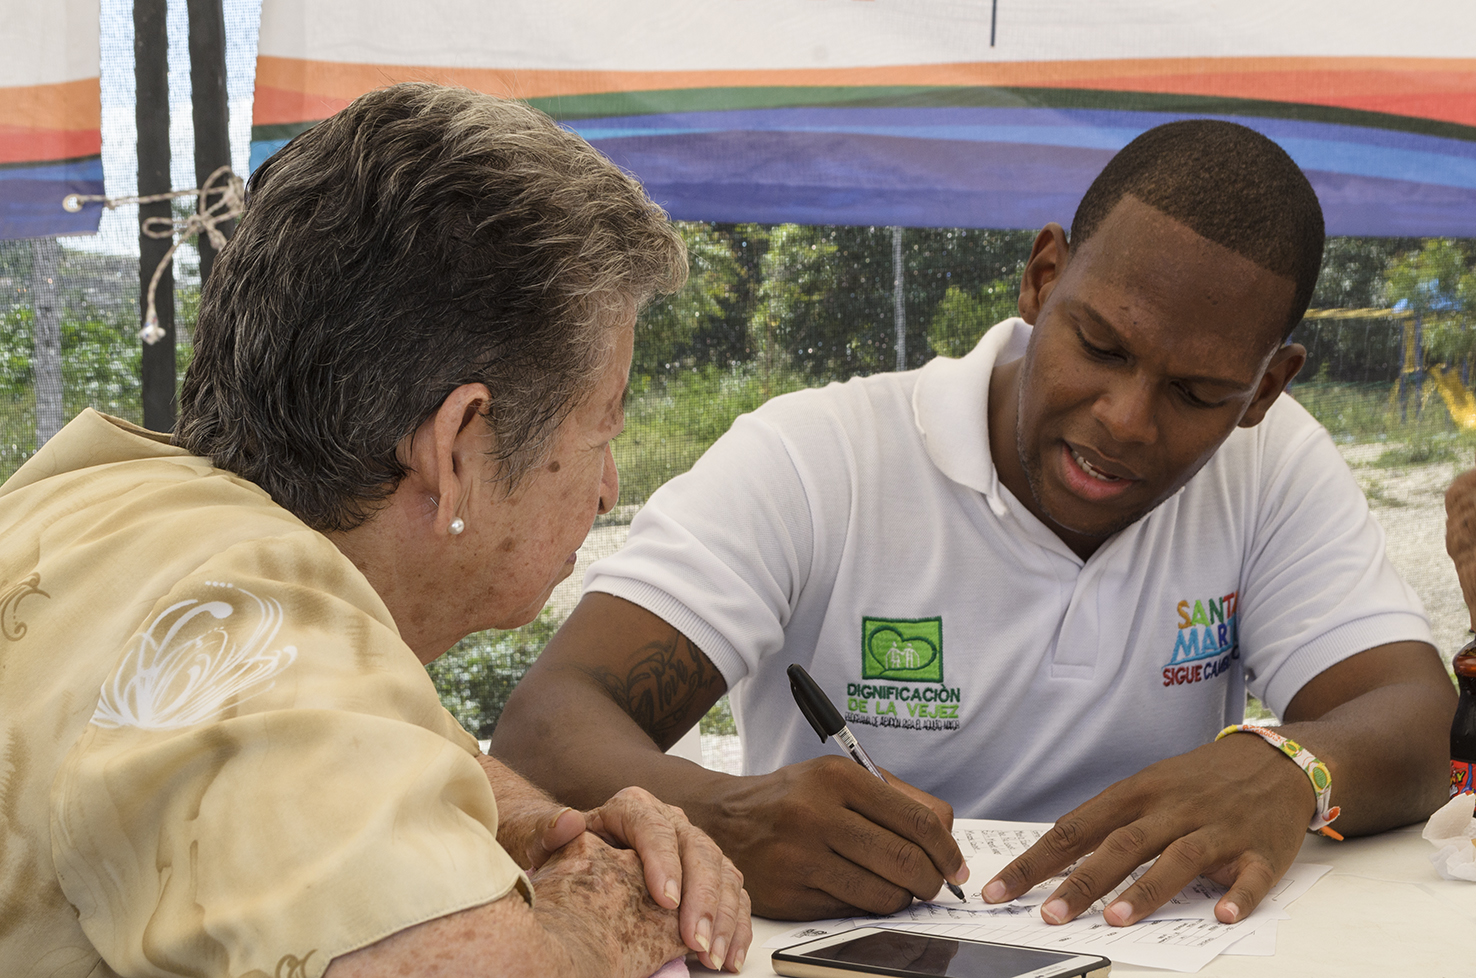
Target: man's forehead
(1143,269)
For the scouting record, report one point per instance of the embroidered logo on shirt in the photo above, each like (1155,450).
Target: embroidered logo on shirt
(909,650)
(193,659)
(1207,641)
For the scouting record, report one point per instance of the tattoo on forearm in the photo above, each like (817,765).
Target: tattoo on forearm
(668,679)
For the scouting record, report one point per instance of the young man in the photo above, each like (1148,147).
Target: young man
(1039,579)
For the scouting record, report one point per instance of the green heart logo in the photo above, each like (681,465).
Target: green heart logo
(910,650)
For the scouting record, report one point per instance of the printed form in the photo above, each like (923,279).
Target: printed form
(1182,935)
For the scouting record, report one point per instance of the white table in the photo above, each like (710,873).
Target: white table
(1382,911)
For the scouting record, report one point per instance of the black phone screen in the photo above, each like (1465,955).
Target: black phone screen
(923,954)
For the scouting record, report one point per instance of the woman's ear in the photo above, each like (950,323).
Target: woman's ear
(446,455)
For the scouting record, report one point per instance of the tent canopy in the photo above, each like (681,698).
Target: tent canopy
(50,116)
(957,113)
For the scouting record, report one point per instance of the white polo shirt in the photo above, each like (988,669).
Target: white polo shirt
(861,530)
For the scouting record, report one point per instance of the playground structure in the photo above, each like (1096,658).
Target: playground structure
(1453,382)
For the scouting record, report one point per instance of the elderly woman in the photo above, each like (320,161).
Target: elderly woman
(409,365)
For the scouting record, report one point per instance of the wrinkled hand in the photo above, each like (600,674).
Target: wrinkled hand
(1235,810)
(1460,534)
(683,868)
(824,838)
(593,897)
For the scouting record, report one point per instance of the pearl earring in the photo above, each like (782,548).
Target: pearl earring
(456,526)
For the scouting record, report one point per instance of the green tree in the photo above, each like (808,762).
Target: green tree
(475,678)
(1437,283)
(797,318)
(100,362)
(16,351)
(1352,277)
(962,317)
(670,327)
(827,293)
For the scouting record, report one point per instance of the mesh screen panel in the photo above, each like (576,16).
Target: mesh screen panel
(768,309)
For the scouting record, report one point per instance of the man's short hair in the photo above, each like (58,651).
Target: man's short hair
(1225,182)
(421,239)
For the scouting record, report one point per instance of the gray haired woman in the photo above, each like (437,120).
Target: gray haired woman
(409,365)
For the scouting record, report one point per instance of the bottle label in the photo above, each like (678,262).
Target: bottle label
(1462,777)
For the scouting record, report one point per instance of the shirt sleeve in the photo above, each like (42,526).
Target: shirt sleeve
(722,551)
(269,781)
(1317,586)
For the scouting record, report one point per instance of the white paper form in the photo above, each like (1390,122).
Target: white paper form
(1298,879)
(1260,942)
(1183,936)
(989,846)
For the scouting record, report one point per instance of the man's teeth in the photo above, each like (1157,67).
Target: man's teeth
(1087,468)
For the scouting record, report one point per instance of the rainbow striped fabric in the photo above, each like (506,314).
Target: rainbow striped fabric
(50,116)
(974,113)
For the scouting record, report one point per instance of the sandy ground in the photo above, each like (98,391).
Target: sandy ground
(1409,503)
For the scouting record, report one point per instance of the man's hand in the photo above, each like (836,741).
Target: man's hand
(825,838)
(683,867)
(1235,810)
(617,686)
(1460,534)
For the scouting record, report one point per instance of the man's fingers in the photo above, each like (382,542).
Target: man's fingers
(856,887)
(1115,858)
(1066,842)
(1254,881)
(880,852)
(1175,868)
(916,830)
(941,808)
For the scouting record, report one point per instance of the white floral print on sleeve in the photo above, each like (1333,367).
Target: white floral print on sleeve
(195,658)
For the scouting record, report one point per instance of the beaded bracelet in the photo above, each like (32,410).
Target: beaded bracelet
(1316,772)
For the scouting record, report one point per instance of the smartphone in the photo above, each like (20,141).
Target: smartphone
(906,954)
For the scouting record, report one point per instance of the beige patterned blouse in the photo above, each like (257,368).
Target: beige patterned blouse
(217,757)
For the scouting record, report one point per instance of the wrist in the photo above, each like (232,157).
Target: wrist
(571,937)
(1314,773)
(727,808)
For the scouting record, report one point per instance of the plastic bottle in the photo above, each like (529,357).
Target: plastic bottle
(1463,728)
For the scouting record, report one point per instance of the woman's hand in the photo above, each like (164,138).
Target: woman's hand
(591,896)
(683,867)
(592,919)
